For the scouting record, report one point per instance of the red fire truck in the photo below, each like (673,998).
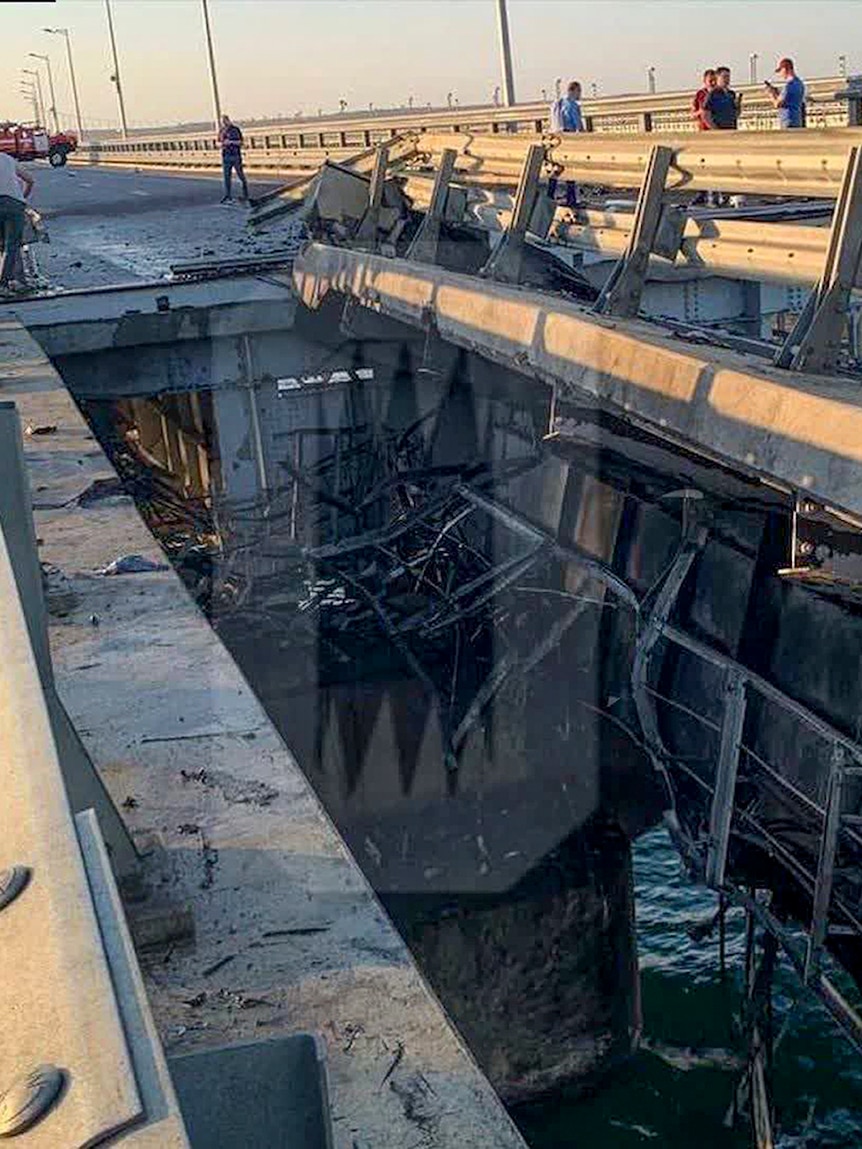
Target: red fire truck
(29,142)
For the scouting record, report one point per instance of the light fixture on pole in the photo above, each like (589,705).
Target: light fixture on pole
(505,54)
(752,68)
(651,80)
(41,102)
(53,108)
(213,78)
(65,33)
(115,78)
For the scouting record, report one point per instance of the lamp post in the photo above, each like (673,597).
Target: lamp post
(30,93)
(213,78)
(65,33)
(752,68)
(505,54)
(40,101)
(651,80)
(53,108)
(115,78)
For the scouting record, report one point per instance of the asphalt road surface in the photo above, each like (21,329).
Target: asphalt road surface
(107,226)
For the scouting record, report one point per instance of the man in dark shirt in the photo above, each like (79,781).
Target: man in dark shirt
(721,107)
(230,138)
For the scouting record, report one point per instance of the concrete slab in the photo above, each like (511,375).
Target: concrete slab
(289,935)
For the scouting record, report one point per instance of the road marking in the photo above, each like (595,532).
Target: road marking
(140,193)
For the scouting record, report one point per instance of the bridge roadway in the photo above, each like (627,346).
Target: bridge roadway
(109,226)
(287,933)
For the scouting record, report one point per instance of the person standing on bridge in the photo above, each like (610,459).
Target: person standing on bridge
(15,187)
(566,116)
(230,138)
(700,97)
(721,106)
(788,101)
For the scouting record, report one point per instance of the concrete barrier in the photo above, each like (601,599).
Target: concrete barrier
(801,430)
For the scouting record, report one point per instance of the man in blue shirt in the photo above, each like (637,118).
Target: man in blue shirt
(789,102)
(721,106)
(230,138)
(566,116)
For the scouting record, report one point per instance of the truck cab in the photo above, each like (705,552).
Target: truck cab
(32,142)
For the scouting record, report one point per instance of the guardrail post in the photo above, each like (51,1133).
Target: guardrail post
(505,262)
(621,295)
(721,812)
(815,341)
(425,242)
(853,95)
(84,787)
(367,230)
(825,865)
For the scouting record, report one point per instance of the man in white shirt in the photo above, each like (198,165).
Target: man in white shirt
(15,186)
(566,116)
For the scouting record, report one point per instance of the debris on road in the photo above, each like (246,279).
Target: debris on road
(101,489)
(132,564)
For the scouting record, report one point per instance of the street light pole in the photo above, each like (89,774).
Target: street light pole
(213,79)
(116,75)
(752,68)
(505,54)
(41,102)
(53,108)
(651,80)
(30,93)
(65,32)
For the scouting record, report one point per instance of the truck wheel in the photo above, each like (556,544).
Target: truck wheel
(57,157)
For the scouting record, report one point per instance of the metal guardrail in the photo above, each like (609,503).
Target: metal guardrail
(801,163)
(832,102)
(771,250)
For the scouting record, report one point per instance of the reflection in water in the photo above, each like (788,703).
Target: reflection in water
(396,563)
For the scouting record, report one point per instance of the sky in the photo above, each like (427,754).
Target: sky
(278,57)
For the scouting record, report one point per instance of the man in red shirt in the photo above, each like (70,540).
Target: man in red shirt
(710,79)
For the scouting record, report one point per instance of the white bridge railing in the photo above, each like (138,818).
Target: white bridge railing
(297,145)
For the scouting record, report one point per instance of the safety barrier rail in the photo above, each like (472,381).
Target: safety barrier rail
(292,146)
(764,248)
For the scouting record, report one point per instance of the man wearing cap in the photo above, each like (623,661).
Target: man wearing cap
(789,101)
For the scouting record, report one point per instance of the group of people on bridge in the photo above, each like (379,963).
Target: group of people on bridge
(717,107)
